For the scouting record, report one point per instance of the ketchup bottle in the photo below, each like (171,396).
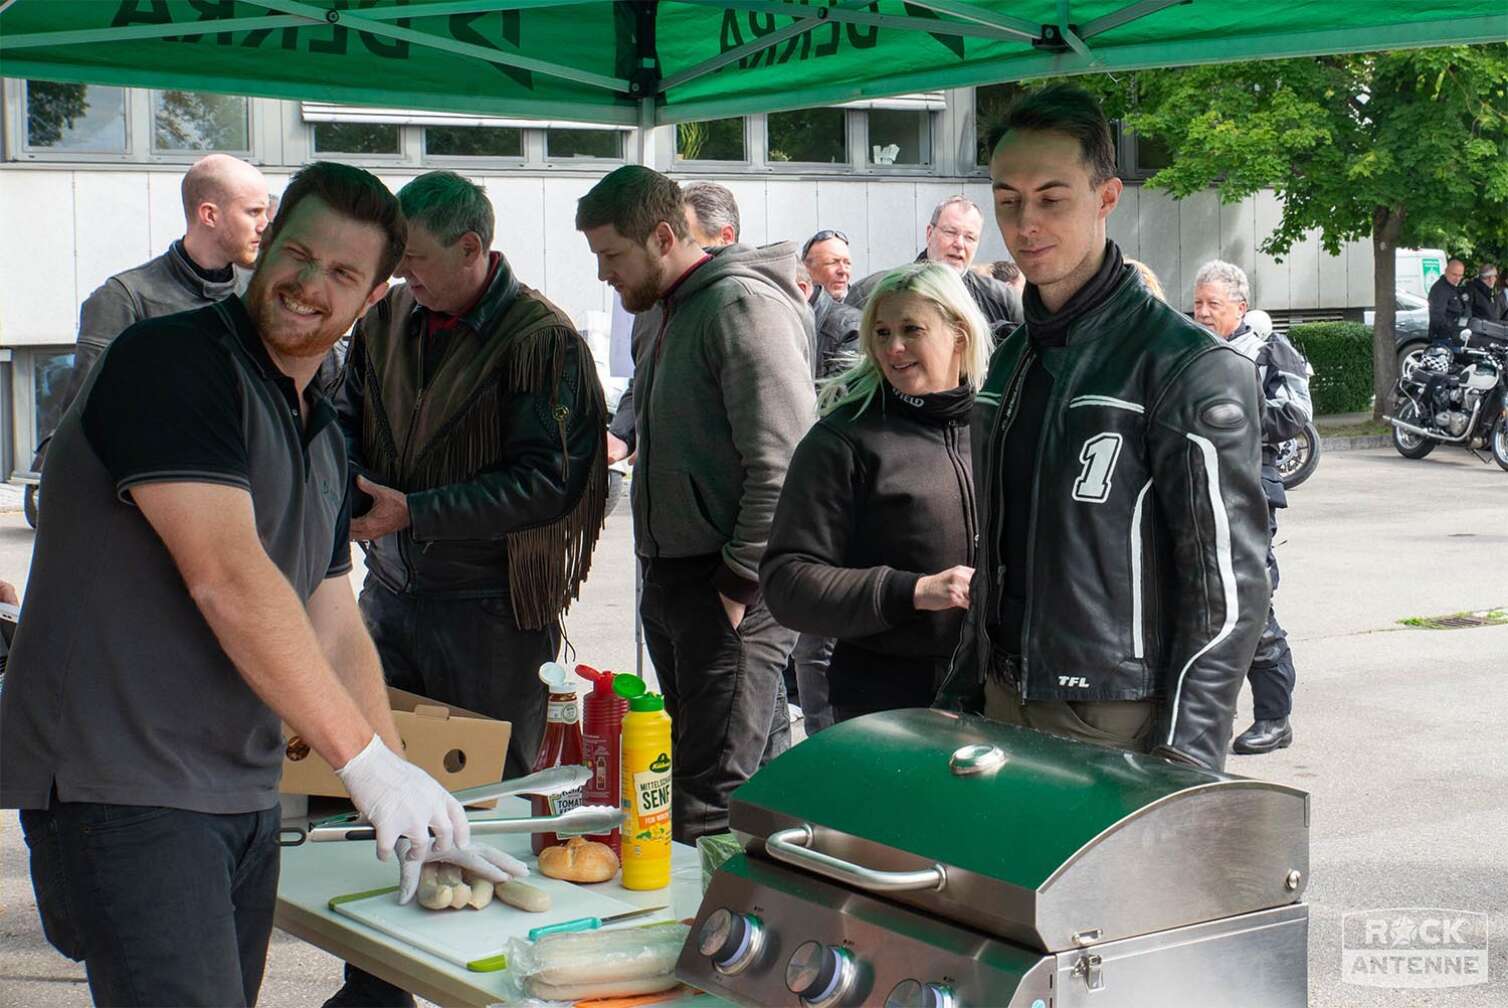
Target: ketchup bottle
(602,739)
(561,747)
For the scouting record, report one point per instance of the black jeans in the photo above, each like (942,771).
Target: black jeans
(810,657)
(1272,674)
(467,652)
(164,906)
(724,689)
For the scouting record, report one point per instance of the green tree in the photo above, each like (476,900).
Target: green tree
(51,108)
(1408,148)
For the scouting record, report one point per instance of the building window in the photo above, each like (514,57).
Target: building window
(356,138)
(1152,155)
(809,136)
(584,143)
(900,137)
(474,141)
(711,140)
(194,121)
(990,105)
(75,118)
(51,373)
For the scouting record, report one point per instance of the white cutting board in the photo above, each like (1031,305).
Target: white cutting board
(469,937)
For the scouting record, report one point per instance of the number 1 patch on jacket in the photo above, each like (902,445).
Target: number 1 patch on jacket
(1099,455)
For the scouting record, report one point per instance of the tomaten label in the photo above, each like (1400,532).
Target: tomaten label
(564,801)
(652,794)
(564,712)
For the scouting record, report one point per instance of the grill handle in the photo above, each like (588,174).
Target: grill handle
(793,846)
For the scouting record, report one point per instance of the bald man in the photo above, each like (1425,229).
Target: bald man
(225,212)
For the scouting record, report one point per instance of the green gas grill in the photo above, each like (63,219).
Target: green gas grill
(928,859)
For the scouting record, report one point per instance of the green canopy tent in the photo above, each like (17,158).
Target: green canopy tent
(645,64)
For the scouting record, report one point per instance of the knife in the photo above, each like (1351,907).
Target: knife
(591,923)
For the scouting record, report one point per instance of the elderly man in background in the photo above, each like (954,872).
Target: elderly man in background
(952,239)
(827,258)
(1221,297)
(1483,294)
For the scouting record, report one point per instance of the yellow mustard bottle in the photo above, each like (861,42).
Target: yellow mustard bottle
(646,786)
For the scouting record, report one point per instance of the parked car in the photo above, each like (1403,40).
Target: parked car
(1410,325)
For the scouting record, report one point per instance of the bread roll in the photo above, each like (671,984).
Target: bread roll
(579,861)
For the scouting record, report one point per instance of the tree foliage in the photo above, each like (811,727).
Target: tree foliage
(1409,148)
(51,109)
(1423,132)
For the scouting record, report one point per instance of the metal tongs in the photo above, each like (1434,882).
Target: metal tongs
(582,819)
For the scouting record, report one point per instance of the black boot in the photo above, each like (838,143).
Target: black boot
(1263,737)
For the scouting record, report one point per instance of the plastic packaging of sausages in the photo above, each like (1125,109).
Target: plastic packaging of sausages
(619,962)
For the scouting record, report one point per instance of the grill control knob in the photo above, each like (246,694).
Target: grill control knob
(819,974)
(731,940)
(915,994)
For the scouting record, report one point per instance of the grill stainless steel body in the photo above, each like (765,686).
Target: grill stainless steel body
(921,858)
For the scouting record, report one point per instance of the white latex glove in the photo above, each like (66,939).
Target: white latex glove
(478,859)
(400,800)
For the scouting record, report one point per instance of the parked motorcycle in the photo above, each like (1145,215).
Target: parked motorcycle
(1456,398)
(1299,456)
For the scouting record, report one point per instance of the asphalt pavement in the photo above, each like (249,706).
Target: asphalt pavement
(1400,732)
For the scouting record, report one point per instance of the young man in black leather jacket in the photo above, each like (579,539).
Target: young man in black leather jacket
(1121,588)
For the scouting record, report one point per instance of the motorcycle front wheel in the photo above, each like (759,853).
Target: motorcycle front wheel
(1497,441)
(1410,446)
(1299,457)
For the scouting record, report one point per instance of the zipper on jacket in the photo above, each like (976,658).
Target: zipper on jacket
(641,435)
(1008,403)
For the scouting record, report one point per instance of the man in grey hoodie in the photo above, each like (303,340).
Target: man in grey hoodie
(723,392)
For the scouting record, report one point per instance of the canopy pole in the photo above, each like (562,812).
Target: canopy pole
(484,53)
(1126,15)
(1015,27)
(702,69)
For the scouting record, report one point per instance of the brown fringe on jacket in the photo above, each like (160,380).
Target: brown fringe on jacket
(547,564)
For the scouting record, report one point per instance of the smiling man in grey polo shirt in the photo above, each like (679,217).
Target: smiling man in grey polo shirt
(187,591)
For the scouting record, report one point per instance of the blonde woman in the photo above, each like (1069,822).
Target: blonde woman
(873,538)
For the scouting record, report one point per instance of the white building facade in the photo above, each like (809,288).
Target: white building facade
(89,186)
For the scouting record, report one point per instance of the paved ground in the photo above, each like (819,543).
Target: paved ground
(1401,735)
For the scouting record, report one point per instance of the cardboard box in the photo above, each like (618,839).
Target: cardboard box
(461,748)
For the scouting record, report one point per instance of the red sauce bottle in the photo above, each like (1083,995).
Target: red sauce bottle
(561,747)
(602,739)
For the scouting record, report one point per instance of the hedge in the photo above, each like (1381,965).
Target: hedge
(1341,355)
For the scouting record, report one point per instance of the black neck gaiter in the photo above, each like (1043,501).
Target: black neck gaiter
(1049,329)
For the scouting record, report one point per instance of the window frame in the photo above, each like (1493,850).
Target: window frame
(19,149)
(149,120)
(679,163)
(850,149)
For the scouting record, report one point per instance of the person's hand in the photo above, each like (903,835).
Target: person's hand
(478,859)
(617,448)
(401,800)
(388,514)
(733,610)
(947,589)
(8,594)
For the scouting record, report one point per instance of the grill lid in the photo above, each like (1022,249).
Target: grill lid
(1040,839)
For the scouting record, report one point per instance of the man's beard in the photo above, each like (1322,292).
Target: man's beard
(284,338)
(640,298)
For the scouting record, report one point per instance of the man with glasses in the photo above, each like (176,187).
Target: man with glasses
(827,259)
(952,239)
